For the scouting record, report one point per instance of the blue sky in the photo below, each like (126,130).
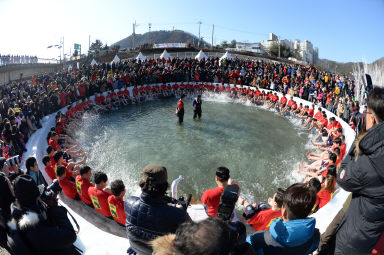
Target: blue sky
(344,30)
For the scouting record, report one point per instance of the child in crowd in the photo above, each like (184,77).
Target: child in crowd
(116,202)
(99,194)
(294,233)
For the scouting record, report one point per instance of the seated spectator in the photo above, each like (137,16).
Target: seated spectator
(261,219)
(211,197)
(149,215)
(328,188)
(72,168)
(116,202)
(294,233)
(48,167)
(83,182)
(35,229)
(68,187)
(99,194)
(50,151)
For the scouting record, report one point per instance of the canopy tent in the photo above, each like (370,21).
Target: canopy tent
(165,55)
(226,56)
(201,55)
(93,62)
(116,59)
(140,57)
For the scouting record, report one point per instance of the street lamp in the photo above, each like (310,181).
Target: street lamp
(58,46)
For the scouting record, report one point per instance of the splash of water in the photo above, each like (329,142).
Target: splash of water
(374,70)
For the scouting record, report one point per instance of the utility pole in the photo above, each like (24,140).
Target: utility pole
(149,25)
(213,30)
(63,52)
(199,32)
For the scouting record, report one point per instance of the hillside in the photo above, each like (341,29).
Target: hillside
(344,68)
(176,36)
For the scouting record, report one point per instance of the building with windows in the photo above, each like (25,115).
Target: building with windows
(308,53)
(252,47)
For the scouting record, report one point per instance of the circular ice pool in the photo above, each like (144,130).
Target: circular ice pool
(260,148)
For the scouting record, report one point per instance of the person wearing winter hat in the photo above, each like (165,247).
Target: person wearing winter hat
(149,215)
(35,229)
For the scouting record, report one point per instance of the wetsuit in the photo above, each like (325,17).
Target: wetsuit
(197,108)
(180,111)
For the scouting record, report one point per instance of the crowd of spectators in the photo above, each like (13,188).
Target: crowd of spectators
(17,59)
(24,103)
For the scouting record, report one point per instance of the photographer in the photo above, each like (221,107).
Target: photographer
(149,215)
(362,173)
(35,229)
(211,197)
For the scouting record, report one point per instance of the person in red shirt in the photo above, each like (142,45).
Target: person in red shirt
(261,219)
(53,141)
(116,202)
(180,109)
(73,168)
(327,190)
(83,183)
(63,99)
(68,187)
(211,198)
(49,169)
(99,194)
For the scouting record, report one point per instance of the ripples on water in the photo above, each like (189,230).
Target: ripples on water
(260,148)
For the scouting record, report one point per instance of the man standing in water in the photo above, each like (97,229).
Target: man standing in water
(180,109)
(197,107)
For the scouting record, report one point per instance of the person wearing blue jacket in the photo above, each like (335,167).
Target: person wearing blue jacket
(295,233)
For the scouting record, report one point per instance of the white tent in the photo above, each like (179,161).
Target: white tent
(201,55)
(115,60)
(165,55)
(140,57)
(93,62)
(226,56)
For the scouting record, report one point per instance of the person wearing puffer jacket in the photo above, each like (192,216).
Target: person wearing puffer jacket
(35,230)
(295,233)
(149,215)
(362,173)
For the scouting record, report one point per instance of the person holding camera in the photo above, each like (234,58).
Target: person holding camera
(34,228)
(294,233)
(149,215)
(211,197)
